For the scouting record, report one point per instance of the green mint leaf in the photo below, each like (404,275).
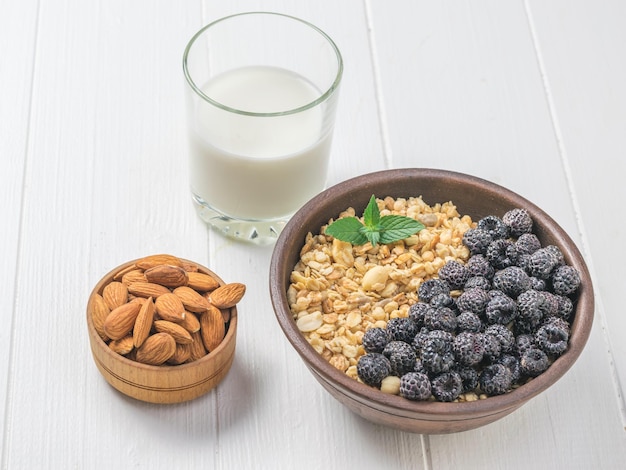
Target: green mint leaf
(347,229)
(398,227)
(372,234)
(375,229)
(371,214)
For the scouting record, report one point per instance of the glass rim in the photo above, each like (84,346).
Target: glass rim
(323,97)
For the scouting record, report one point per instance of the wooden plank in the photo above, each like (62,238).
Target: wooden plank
(18,30)
(106,182)
(456,82)
(582,50)
(485,113)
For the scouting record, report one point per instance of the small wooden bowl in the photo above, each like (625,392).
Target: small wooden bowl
(163,384)
(473,196)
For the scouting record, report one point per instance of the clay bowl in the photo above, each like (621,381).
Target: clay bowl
(166,383)
(473,196)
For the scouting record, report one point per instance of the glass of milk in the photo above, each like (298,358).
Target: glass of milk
(262,91)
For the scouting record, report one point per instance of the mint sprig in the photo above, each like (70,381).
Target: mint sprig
(374,229)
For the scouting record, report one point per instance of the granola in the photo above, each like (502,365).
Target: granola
(338,291)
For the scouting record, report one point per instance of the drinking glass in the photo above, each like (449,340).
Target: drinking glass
(261,92)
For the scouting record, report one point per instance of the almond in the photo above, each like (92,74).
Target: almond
(121,320)
(143,323)
(167,275)
(123,345)
(115,294)
(227,295)
(99,310)
(158,310)
(192,300)
(118,276)
(212,328)
(180,335)
(132,355)
(170,308)
(155,260)
(157,349)
(196,348)
(189,266)
(202,282)
(225,311)
(147,289)
(181,355)
(136,275)
(191,322)
(225,314)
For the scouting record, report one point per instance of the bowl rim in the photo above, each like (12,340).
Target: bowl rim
(165,368)
(580,328)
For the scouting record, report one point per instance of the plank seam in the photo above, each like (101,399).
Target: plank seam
(9,386)
(378,92)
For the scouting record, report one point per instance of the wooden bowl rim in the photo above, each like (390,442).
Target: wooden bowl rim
(230,333)
(291,239)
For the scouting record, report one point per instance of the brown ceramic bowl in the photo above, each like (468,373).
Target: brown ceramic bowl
(166,383)
(473,196)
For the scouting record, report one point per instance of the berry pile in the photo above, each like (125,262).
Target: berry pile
(508,324)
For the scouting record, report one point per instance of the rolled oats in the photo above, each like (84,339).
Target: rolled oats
(309,322)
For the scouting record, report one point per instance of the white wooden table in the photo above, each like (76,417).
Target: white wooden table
(529,94)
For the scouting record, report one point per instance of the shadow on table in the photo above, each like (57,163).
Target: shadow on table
(199,419)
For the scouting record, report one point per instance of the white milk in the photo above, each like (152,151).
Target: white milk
(259,168)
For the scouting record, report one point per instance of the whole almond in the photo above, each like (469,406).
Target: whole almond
(192,300)
(196,348)
(115,294)
(189,266)
(137,300)
(180,335)
(202,282)
(227,295)
(170,308)
(118,276)
(212,328)
(123,345)
(147,289)
(191,322)
(181,355)
(167,275)
(143,323)
(225,314)
(121,320)
(155,260)
(225,311)
(99,310)
(157,349)
(136,275)
(132,355)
